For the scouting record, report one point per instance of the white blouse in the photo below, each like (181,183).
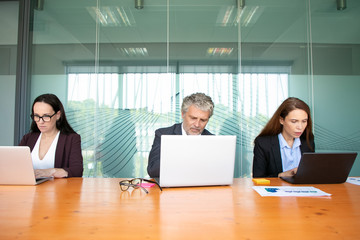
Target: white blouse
(49,159)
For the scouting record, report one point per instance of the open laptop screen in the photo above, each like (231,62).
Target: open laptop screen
(197,160)
(16,166)
(323,168)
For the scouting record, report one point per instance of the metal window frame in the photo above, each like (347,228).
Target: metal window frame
(23,70)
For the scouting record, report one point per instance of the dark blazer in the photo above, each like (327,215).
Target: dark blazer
(267,157)
(153,168)
(67,154)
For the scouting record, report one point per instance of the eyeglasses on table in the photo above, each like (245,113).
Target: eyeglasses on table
(135,183)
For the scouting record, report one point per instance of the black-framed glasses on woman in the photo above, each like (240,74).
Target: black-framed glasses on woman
(135,183)
(45,118)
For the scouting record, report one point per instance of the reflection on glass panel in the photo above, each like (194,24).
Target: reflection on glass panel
(169,49)
(336,57)
(119,125)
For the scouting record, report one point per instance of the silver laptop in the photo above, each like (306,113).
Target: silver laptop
(16,166)
(196,160)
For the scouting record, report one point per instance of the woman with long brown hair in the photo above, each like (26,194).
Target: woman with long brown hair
(55,146)
(279,146)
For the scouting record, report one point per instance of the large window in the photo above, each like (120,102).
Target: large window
(123,110)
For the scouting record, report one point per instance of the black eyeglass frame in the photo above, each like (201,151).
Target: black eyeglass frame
(125,184)
(33,117)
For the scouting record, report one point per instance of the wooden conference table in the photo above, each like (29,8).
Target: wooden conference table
(96,208)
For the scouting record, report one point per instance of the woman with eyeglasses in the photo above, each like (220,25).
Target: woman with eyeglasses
(55,146)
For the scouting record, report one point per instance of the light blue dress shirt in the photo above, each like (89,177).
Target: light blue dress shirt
(290,156)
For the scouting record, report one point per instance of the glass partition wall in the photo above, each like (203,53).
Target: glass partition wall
(8,57)
(122,68)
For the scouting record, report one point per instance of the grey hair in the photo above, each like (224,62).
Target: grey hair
(200,100)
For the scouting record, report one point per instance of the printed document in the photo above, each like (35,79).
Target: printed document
(286,191)
(353,180)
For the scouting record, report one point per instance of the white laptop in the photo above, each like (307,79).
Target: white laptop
(196,160)
(16,166)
